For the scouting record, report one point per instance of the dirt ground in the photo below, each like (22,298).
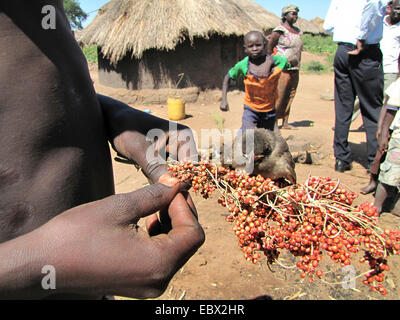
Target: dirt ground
(218,270)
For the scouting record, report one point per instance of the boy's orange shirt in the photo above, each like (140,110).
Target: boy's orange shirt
(261,92)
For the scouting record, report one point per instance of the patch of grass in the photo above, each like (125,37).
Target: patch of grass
(330,58)
(329,61)
(314,67)
(319,44)
(90,53)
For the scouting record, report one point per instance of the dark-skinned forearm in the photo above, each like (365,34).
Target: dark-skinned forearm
(127,130)
(382,115)
(387,119)
(225,86)
(385,135)
(272,42)
(21,263)
(132,133)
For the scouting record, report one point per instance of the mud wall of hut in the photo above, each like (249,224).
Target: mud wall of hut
(204,64)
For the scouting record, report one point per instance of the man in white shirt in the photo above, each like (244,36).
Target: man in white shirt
(360,75)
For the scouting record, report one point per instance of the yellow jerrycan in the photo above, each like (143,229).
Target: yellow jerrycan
(176,109)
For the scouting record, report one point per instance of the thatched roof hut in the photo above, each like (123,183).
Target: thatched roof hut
(268,20)
(147,43)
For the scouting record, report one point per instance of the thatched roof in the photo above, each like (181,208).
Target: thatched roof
(319,22)
(266,19)
(123,26)
(269,20)
(309,27)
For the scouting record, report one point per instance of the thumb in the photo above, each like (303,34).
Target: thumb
(147,200)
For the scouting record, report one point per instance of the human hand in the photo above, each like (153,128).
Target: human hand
(99,249)
(354,52)
(357,51)
(145,139)
(224,106)
(383,140)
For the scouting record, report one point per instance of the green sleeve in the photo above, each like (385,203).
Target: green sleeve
(281,62)
(240,69)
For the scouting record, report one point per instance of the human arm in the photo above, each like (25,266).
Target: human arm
(384,135)
(235,73)
(372,17)
(132,133)
(97,249)
(282,63)
(273,41)
(382,115)
(360,46)
(224,100)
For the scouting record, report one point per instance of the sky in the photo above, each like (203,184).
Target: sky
(309,9)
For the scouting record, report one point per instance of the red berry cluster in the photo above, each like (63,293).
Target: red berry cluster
(305,219)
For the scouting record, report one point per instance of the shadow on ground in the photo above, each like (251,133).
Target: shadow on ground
(303,123)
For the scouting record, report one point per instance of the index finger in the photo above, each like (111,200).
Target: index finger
(182,144)
(186,235)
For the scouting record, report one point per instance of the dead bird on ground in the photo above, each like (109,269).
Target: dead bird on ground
(262,152)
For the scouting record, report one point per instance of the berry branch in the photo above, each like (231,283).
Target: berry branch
(307,220)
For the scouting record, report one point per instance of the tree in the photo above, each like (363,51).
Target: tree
(74,13)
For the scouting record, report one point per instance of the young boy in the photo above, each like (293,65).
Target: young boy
(261,73)
(389,177)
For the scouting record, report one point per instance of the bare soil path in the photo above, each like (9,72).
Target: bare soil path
(218,270)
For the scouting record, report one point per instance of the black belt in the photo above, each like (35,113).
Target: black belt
(350,45)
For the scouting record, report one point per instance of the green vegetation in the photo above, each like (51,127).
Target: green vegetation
(74,13)
(322,46)
(318,44)
(90,53)
(315,67)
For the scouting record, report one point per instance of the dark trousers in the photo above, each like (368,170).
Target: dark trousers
(252,119)
(360,76)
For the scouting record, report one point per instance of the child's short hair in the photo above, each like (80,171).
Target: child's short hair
(257,33)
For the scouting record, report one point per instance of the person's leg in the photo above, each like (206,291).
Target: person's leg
(389,176)
(367,75)
(380,196)
(374,173)
(292,88)
(371,186)
(249,119)
(267,121)
(344,103)
(283,96)
(389,78)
